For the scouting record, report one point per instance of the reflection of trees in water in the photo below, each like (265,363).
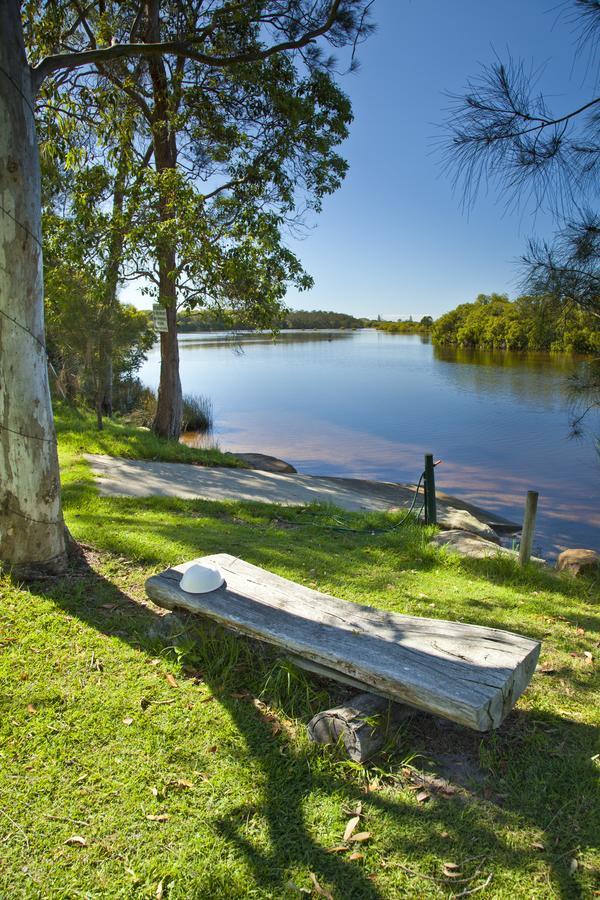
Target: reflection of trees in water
(532,378)
(236,340)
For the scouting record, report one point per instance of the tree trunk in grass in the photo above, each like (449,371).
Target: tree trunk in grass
(32,532)
(169,412)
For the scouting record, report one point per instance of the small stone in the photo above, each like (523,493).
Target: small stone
(451,518)
(265,463)
(578,562)
(467,544)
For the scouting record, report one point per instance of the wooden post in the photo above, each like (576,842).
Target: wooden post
(528,527)
(430,501)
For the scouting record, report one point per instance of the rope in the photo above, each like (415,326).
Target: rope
(24,328)
(15,512)
(24,227)
(32,437)
(18,89)
(344,528)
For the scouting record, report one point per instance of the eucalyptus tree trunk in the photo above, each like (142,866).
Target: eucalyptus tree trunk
(32,532)
(169,412)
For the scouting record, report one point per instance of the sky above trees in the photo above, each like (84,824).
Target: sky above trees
(394,239)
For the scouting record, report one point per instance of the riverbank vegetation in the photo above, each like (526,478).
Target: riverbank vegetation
(145,755)
(493,321)
(197,411)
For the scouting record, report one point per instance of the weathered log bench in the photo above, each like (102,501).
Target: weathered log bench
(467,673)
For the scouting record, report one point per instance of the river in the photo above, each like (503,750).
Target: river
(368,404)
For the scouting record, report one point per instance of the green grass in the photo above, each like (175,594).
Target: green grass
(95,739)
(77,434)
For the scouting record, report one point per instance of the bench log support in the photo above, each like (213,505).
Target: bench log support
(364,724)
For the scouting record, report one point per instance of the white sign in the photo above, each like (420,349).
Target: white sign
(159,314)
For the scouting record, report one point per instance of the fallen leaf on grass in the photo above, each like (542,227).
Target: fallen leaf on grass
(76,841)
(128,721)
(145,703)
(159,891)
(361,836)
(356,856)
(179,784)
(573,866)
(537,846)
(109,606)
(586,656)
(318,889)
(350,826)
(423,797)
(159,817)
(31,709)
(212,749)
(171,679)
(451,870)
(339,849)
(154,791)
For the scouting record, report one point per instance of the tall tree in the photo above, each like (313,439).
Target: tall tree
(63,45)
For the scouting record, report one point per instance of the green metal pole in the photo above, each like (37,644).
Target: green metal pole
(430,502)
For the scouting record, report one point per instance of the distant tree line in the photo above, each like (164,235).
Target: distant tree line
(407,326)
(225,320)
(494,322)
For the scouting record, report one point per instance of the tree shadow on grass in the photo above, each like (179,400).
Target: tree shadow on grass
(463,825)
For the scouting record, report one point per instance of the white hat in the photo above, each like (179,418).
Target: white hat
(200,579)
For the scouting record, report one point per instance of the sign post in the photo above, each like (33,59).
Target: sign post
(159,316)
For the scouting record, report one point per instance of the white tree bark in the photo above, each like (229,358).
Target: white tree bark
(32,532)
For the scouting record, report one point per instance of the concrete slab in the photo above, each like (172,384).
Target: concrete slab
(147,478)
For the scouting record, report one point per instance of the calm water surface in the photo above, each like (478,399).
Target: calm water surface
(367,404)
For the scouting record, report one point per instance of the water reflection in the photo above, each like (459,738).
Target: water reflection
(368,404)
(238,339)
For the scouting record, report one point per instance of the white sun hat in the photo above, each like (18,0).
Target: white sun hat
(200,579)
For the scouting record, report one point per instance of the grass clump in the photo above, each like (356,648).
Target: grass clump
(197,411)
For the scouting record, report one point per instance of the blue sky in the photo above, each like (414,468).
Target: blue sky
(394,240)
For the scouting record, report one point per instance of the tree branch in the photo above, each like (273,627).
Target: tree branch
(59,61)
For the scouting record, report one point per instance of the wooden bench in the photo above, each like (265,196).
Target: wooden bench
(467,673)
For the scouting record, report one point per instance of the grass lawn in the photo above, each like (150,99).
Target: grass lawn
(143,756)
(77,433)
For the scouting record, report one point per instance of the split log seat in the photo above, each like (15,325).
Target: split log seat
(467,673)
